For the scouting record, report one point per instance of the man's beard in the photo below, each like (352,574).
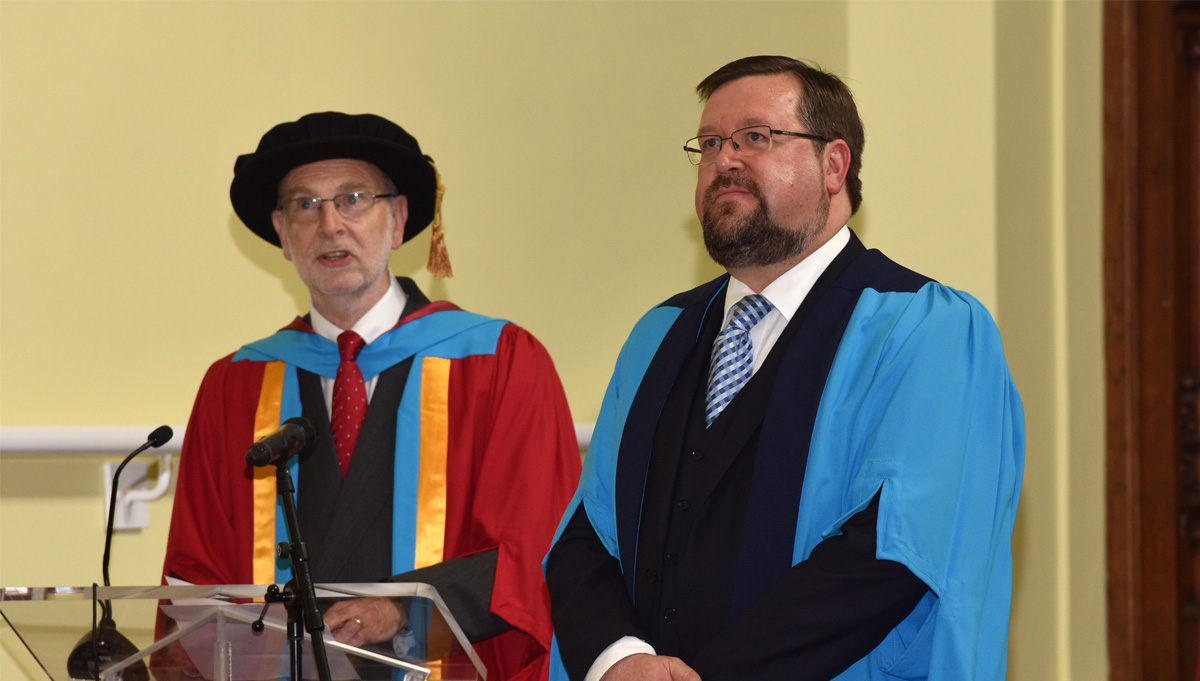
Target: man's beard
(754,239)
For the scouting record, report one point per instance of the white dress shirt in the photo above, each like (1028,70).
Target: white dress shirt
(786,294)
(380,319)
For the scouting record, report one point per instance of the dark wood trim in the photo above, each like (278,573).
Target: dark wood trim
(1187,243)
(1124,640)
(1148,316)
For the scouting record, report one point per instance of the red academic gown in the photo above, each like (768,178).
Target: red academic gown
(510,463)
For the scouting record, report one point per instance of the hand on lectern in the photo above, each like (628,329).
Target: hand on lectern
(365,620)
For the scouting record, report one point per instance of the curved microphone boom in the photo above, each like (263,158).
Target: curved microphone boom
(157,438)
(104,645)
(292,437)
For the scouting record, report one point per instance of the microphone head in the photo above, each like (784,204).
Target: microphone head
(160,436)
(258,455)
(294,436)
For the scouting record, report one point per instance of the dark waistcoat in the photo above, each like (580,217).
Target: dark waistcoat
(699,483)
(347,524)
(715,533)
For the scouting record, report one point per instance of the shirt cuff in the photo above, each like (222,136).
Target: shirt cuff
(619,650)
(403,642)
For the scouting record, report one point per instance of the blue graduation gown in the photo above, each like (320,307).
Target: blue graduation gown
(918,406)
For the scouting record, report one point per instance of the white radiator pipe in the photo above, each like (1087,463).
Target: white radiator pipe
(108,440)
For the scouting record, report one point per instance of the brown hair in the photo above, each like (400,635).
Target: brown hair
(826,106)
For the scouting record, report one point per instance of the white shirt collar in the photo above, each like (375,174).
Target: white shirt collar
(380,319)
(790,288)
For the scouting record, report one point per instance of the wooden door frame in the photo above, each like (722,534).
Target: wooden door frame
(1151,633)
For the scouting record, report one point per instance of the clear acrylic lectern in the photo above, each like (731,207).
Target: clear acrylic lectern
(194,633)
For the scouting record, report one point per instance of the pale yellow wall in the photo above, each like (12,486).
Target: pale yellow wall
(1048,84)
(557,126)
(922,73)
(1080,355)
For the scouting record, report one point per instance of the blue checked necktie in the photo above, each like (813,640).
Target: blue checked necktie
(733,355)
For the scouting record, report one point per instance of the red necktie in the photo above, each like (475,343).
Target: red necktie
(349,398)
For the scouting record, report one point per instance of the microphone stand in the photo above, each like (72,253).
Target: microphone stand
(299,595)
(104,644)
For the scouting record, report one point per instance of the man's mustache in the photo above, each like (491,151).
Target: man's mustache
(724,181)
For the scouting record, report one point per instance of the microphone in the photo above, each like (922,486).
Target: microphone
(159,437)
(292,437)
(104,645)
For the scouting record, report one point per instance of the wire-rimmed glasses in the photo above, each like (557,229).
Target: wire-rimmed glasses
(748,141)
(303,209)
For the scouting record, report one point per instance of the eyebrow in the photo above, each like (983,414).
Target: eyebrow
(345,188)
(744,123)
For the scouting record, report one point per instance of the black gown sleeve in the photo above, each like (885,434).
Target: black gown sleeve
(465,584)
(824,614)
(589,605)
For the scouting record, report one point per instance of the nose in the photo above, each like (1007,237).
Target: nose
(728,157)
(329,220)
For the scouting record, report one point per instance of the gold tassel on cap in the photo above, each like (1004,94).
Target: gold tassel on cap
(439,258)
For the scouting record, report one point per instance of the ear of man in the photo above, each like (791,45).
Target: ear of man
(836,164)
(281,231)
(399,209)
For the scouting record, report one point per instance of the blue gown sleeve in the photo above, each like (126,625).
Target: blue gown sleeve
(920,408)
